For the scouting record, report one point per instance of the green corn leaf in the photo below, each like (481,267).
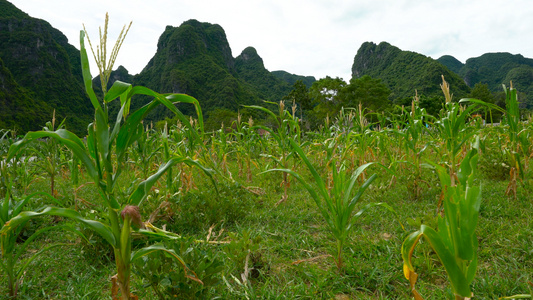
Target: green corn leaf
(122,113)
(472,266)
(443,174)
(91,141)
(483,103)
(468,166)
(183,98)
(117,90)
(4,212)
(21,249)
(351,205)
(147,250)
(102,138)
(100,228)
(353,179)
(132,129)
(318,180)
(266,110)
(87,78)
(311,191)
(166,100)
(144,187)
(457,278)
(65,137)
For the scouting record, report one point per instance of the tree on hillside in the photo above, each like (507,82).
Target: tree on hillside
(327,96)
(371,92)
(482,92)
(300,95)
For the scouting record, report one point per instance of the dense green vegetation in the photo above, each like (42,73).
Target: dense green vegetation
(268,210)
(291,78)
(196,58)
(41,61)
(404,71)
(18,109)
(242,242)
(494,69)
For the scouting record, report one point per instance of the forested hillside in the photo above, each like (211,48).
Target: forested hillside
(41,61)
(404,71)
(495,69)
(195,58)
(40,72)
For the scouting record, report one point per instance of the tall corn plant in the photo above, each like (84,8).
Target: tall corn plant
(455,243)
(518,138)
(104,158)
(337,204)
(453,129)
(519,141)
(363,136)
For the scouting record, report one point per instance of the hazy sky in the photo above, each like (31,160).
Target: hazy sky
(314,37)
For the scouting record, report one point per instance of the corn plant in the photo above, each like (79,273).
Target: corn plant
(453,129)
(220,149)
(337,204)
(5,143)
(191,145)
(104,158)
(50,153)
(144,151)
(17,172)
(363,138)
(167,154)
(165,277)
(284,131)
(12,263)
(247,144)
(411,136)
(518,139)
(455,243)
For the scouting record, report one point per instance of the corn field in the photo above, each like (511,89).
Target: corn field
(368,206)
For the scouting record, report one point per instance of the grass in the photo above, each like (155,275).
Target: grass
(278,250)
(295,247)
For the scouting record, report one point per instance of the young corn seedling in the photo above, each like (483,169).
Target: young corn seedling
(104,159)
(455,243)
(337,204)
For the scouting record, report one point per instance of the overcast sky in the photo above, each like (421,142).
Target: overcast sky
(313,37)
